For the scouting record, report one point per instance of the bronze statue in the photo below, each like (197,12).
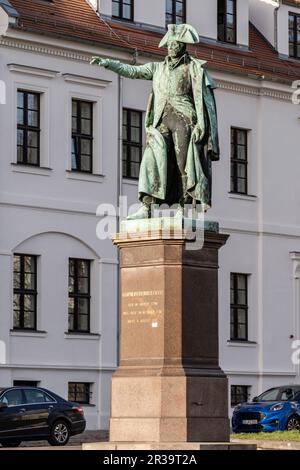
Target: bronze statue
(181,125)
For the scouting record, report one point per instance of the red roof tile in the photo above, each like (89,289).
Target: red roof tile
(76,20)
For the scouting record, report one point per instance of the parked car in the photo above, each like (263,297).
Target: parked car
(30,414)
(277,409)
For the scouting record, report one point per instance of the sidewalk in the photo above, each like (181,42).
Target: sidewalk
(87,436)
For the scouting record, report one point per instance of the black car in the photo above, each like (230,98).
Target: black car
(31,413)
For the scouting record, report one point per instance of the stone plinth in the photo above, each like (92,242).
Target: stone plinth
(169,387)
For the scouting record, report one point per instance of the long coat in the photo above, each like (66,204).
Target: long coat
(154,179)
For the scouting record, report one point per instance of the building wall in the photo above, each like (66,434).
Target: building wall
(46,212)
(262,16)
(203,15)
(243,22)
(152,13)
(51,213)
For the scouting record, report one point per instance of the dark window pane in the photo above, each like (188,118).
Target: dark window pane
(115,8)
(20,136)
(83,285)
(79,294)
(241,186)
(32,139)
(20,116)
(135,169)
(28,116)
(79,392)
(17,298)
(242,137)
(169,6)
(227,20)
(25,293)
(74,124)
(132,143)
(83,306)
(135,134)
(71,305)
(85,163)
(83,323)
(241,170)
(82,147)
(71,323)
(29,320)
(239,151)
(241,331)
(71,284)
(238,299)
(29,281)
(20,99)
(74,108)
(33,118)
(33,156)
(86,147)
(86,126)
(33,102)
(126,12)
(86,110)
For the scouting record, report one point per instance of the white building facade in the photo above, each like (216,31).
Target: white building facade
(64,151)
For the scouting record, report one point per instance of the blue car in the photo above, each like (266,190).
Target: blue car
(277,409)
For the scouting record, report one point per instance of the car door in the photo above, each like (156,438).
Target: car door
(38,407)
(11,418)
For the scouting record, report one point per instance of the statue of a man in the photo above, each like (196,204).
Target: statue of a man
(181,125)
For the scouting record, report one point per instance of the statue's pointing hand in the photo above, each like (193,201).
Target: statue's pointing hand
(98,61)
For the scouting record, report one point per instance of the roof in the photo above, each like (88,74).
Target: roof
(81,23)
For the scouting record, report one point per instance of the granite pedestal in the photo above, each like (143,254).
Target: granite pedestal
(169,386)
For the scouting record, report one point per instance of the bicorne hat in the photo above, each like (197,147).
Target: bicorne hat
(181,33)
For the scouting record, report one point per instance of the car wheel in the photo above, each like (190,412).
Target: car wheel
(60,433)
(293,424)
(11,444)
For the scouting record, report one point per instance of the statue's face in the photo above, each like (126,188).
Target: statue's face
(176,48)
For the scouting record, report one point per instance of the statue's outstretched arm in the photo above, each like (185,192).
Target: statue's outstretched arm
(144,72)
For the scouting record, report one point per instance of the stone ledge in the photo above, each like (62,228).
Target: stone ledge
(270,445)
(108,446)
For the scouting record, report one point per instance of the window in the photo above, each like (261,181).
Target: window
(79,295)
(82,136)
(175,11)
(227,21)
(294,35)
(12,398)
(26,383)
(132,143)
(79,392)
(28,128)
(239,394)
(122,9)
(25,292)
(239,161)
(239,307)
(37,396)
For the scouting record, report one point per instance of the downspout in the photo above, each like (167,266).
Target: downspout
(119,194)
(276,25)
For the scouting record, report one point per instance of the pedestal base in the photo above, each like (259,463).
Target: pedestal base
(169,408)
(188,446)
(169,387)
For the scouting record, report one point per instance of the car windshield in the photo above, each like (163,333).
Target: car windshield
(269,395)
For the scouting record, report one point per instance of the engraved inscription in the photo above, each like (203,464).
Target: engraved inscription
(143,307)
